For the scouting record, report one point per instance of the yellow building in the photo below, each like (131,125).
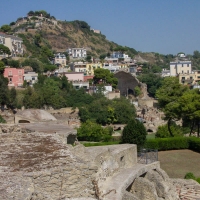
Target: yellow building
(90,67)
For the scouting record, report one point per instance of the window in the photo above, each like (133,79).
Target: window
(191,77)
(188,65)
(20,72)
(188,71)
(10,73)
(183,78)
(182,65)
(182,71)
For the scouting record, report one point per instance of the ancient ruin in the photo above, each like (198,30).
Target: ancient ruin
(36,165)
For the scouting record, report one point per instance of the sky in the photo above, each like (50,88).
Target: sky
(162,26)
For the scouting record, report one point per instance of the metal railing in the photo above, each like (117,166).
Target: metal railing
(147,156)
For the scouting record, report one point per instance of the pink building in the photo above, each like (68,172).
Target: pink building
(74,76)
(87,78)
(15,76)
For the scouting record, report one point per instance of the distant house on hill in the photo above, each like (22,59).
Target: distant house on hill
(13,43)
(77,52)
(60,59)
(15,76)
(96,31)
(180,67)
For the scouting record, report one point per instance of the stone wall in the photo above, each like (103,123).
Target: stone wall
(40,166)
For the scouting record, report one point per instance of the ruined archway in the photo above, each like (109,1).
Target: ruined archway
(126,82)
(23,121)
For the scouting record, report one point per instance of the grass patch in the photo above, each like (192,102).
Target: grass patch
(151,136)
(90,144)
(179,162)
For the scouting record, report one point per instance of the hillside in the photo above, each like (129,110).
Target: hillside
(59,35)
(44,34)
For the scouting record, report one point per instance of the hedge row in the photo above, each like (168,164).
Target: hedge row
(163,144)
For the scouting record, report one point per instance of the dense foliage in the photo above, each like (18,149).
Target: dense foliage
(134,133)
(105,111)
(153,82)
(105,76)
(162,131)
(91,131)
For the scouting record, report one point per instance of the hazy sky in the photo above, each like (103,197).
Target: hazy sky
(163,26)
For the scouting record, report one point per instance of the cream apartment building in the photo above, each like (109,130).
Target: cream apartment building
(14,44)
(180,67)
(60,59)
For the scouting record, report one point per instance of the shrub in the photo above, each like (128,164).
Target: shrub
(189,176)
(194,143)
(163,132)
(91,131)
(163,144)
(2,120)
(135,133)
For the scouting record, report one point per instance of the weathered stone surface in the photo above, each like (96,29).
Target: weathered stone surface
(144,189)
(40,166)
(33,115)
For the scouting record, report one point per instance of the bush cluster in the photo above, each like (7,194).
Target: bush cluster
(173,143)
(190,175)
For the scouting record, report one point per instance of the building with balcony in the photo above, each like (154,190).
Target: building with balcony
(31,78)
(60,60)
(79,67)
(187,79)
(77,52)
(15,76)
(91,67)
(180,67)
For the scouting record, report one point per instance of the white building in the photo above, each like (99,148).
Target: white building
(180,67)
(31,78)
(77,52)
(117,54)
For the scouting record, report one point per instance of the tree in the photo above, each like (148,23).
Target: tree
(134,133)
(14,63)
(37,39)
(137,91)
(3,90)
(163,132)
(189,106)
(4,50)
(91,131)
(88,58)
(153,82)
(168,96)
(12,23)
(31,13)
(105,76)
(2,67)
(5,28)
